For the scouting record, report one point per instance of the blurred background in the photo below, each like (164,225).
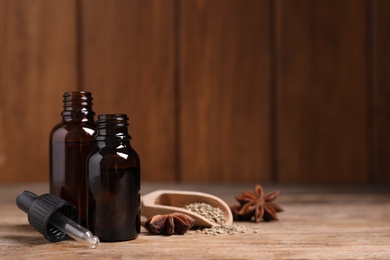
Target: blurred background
(227,91)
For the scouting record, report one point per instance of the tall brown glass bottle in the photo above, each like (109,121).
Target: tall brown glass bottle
(71,141)
(113,170)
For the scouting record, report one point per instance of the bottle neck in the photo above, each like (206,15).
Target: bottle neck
(112,128)
(78,107)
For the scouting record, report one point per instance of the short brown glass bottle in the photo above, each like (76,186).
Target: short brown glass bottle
(71,141)
(113,170)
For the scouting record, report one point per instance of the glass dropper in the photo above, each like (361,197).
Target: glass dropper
(52,217)
(74,230)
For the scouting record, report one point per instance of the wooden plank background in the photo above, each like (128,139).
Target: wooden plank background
(38,63)
(381,90)
(322,101)
(285,91)
(224,95)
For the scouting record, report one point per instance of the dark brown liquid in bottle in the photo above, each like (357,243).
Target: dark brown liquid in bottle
(69,180)
(113,170)
(71,141)
(114,204)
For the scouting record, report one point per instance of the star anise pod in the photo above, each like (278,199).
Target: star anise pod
(169,224)
(255,206)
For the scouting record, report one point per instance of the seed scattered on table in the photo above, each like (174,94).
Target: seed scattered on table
(226,229)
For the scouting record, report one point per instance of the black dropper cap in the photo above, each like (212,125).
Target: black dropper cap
(41,208)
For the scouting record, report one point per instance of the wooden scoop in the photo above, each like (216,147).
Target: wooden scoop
(170,201)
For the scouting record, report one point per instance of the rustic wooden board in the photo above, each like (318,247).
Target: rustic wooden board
(197,79)
(37,65)
(381,89)
(224,94)
(322,101)
(128,64)
(313,226)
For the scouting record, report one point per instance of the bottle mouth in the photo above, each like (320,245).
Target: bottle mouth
(84,95)
(81,97)
(115,120)
(77,103)
(112,127)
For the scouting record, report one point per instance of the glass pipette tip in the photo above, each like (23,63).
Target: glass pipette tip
(74,230)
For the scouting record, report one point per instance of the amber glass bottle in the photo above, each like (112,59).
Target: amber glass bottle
(71,141)
(113,170)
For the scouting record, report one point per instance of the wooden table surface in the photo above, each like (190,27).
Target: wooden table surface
(318,223)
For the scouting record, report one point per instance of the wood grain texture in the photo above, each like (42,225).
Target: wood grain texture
(381,89)
(37,64)
(224,96)
(128,64)
(322,101)
(216,90)
(313,226)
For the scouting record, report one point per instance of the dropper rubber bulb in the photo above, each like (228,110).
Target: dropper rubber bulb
(52,217)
